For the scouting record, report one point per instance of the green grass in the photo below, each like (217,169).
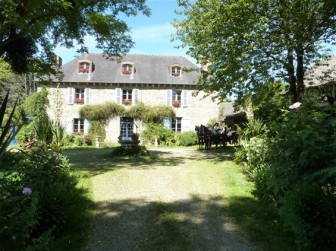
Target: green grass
(259,221)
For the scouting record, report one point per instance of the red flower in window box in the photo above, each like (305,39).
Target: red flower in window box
(176,103)
(84,70)
(127,102)
(127,72)
(175,74)
(79,101)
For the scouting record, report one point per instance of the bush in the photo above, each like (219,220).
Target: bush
(133,151)
(296,169)
(38,197)
(73,140)
(163,135)
(186,138)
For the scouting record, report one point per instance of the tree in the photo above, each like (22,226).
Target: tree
(31,28)
(19,85)
(252,42)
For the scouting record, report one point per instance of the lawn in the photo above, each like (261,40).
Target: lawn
(206,171)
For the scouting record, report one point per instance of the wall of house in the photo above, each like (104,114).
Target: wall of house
(198,110)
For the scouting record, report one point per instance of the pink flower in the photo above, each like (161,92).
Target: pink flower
(295,105)
(27,191)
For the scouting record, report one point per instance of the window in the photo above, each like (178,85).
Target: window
(176,98)
(175,70)
(85,66)
(78,126)
(126,97)
(127,69)
(126,128)
(176,124)
(79,96)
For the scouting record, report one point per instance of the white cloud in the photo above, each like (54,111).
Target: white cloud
(153,33)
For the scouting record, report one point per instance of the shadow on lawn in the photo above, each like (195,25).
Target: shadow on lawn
(96,161)
(193,224)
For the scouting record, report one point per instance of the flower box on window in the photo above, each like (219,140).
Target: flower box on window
(79,101)
(176,103)
(127,102)
(84,70)
(175,74)
(126,72)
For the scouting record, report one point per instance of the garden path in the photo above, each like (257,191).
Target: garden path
(172,203)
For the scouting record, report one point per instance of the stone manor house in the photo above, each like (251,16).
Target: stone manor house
(150,79)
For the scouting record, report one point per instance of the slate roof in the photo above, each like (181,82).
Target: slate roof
(321,73)
(152,69)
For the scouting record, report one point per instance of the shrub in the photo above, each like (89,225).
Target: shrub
(38,197)
(133,151)
(296,168)
(73,140)
(186,138)
(163,135)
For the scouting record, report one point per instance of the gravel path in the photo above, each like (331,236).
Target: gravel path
(127,199)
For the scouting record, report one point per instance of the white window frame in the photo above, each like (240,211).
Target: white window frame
(84,65)
(127,94)
(79,95)
(78,125)
(176,124)
(127,67)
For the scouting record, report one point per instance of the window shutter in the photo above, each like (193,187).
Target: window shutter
(118,95)
(135,96)
(184,98)
(69,126)
(86,126)
(71,95)
(87,96)
(169,97)
(185,124)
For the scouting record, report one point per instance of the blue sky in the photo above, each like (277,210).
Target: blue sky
(151,34)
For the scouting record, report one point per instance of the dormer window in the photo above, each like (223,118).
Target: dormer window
(85,66)
(176,70)
(127,69)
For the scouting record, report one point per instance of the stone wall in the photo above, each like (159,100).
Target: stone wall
(198,111)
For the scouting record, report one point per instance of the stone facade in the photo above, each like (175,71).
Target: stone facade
(63,95)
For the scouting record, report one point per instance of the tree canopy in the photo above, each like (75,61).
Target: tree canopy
(33,28)
(251,42)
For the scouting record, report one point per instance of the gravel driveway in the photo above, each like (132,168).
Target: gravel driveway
(128,199)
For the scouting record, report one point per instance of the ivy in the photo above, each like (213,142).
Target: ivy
(99,115)
(101,112)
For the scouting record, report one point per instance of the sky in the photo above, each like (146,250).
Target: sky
(151,34)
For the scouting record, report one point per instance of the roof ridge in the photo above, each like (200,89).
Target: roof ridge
(135,54)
